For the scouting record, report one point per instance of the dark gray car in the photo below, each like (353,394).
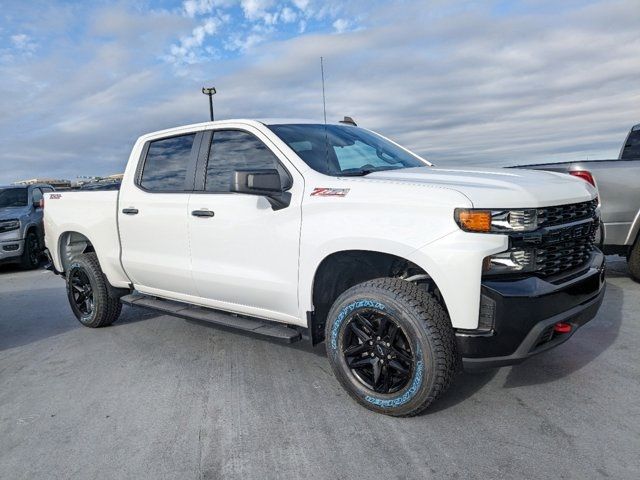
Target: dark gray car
(618,183)
(21,229)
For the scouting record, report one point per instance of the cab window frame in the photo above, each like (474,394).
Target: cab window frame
(189,182)
(203,161)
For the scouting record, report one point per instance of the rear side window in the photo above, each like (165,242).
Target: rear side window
(632,146)
(165,168)
(235,150)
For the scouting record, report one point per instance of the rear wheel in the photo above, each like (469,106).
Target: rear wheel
(391,346)
(634,260)
(31,252)
(88,293)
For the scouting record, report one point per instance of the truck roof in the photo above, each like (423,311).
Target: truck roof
(247,121)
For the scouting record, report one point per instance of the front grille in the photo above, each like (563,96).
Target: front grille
(565,239)
(549,216)
(561,257)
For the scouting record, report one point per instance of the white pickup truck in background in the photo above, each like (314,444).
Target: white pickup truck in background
(332,232)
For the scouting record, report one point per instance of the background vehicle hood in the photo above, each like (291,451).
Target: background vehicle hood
(498,187)
(7,213)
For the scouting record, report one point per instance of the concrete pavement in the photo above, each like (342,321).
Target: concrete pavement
(158,397)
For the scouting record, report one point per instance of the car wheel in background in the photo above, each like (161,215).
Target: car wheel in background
(634,260)
(31,252)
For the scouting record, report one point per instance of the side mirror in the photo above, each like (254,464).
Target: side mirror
(38,203)
(266,183)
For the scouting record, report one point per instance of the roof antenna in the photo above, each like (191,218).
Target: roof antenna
(324,109)
(324,101)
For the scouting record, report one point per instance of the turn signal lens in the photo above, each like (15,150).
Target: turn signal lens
(474,220)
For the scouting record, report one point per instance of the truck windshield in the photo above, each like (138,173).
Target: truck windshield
(631,148)
(13,197)
(342,150)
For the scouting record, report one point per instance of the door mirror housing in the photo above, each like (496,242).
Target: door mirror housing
(38,203)
(266,183)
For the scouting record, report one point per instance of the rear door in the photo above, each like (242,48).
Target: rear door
(245,254)
(153,219)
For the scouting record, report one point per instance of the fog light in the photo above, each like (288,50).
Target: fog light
(511,261)
(11,248)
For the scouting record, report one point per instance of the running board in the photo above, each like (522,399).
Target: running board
(277,331)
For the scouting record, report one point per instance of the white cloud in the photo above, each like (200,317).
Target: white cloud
(23,43)
(255,9)
(193,8)
(187,50)
(341,25)
(301,4)
(288,15)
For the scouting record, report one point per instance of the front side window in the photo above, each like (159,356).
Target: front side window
(341,150)
(13,197)
(165,168)
(235,150)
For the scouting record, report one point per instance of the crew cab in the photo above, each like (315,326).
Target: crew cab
(331,232)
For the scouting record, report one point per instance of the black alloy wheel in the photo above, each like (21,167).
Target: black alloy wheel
(81,292)
(377,351)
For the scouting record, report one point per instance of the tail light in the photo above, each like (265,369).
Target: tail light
(584,175)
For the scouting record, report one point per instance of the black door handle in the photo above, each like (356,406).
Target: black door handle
(130,211)
(202,213)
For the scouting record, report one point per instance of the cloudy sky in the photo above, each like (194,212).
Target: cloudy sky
(476,83)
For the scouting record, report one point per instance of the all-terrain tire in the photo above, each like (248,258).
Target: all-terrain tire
(634,261)
(85,275)
(424,324)
(31,251)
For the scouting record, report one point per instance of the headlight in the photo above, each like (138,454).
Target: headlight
(496,221)
(8,225)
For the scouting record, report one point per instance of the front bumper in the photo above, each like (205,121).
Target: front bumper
(526,311)
(11,250)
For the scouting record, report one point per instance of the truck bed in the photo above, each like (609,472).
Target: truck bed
(92,214)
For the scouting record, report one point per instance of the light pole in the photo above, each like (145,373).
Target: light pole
(210,92)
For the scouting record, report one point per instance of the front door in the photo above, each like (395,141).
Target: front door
(245,254)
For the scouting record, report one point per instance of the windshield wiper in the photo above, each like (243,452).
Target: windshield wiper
(363,172)
(356,173)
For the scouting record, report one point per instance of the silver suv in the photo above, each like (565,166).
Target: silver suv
(21,229)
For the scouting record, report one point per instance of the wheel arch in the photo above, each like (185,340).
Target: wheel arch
(340,270)
(71,244)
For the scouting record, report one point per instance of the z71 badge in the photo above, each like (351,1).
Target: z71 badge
(329,192)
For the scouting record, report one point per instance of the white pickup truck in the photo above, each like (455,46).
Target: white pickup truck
(299,230)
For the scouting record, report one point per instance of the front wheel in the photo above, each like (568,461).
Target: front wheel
(88,293)
(391,346)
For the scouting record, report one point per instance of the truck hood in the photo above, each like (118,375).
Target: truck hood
(498,187)
(9,213)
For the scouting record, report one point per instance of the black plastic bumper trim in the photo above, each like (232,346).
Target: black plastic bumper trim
(577,317)
(525,308)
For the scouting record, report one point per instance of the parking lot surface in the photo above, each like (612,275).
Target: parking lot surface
(158,397)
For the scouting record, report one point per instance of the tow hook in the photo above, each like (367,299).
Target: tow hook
(562,327)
